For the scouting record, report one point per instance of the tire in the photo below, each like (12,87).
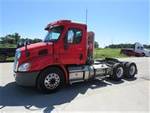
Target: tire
(50,80)
(124,64)
(130,70)
(143,54)
(118,72)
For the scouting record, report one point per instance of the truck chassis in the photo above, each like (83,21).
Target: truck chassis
(111,67)
(108,67)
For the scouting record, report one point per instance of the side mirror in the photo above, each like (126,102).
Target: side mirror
(20,44)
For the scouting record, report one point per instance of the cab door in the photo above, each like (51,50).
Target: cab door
(74,50)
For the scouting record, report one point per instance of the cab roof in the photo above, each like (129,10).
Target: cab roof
(63,22)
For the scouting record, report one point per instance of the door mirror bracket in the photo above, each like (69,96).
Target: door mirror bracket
(66,43)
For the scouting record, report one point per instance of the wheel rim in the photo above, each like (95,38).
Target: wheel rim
(119,72)
(132,70)
(52,81)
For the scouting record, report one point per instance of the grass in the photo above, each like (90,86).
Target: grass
(7,46)
(107,52)
(10,59)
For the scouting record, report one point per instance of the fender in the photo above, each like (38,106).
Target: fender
(61,67)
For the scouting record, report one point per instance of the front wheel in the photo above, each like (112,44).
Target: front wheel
(50,80)
(117,72)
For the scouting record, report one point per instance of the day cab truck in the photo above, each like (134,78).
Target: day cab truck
(65,57)
(138,51)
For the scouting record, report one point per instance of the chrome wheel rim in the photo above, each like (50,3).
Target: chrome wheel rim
(119,72)
(52,81)
(132,70)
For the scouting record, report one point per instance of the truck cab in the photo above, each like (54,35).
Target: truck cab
(65,43)
(139,48)
(65,57)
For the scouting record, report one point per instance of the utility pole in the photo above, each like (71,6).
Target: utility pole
(86,16)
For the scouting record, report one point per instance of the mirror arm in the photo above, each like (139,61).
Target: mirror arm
(65,43)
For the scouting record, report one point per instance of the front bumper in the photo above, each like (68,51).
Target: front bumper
(26,78)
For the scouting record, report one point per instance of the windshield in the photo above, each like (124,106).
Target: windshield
(53,34)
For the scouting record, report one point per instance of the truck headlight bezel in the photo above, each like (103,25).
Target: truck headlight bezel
(24,67)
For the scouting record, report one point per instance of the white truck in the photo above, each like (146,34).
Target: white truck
(138,51)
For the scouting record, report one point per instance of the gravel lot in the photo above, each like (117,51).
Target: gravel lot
(95,96)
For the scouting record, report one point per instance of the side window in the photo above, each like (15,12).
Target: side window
(70,36)
(74,36)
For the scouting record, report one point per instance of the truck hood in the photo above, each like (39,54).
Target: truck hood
(147,52)
(36,46)
(37,49)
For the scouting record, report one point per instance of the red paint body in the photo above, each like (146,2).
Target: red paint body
(76,54)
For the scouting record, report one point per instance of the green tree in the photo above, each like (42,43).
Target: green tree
(16,36)
(96,45)
(36,40)
(10,38)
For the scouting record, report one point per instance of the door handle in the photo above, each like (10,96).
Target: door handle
(81,56)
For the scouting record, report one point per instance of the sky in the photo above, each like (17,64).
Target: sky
(113,21)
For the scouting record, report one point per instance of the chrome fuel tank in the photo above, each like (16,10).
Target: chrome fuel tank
(85,72)
(80,73)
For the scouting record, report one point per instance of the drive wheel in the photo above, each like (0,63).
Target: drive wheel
(117,72)
(131,70)
(50,80)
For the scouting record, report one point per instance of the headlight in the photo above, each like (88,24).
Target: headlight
(24,67)
(18,53)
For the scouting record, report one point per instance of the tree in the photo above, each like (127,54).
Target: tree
(36,40)
(146,46)
(120,46)
(16,36)
(10,38)
(3,40)
(96,45)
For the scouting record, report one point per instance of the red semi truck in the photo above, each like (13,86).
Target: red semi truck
(65,57)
